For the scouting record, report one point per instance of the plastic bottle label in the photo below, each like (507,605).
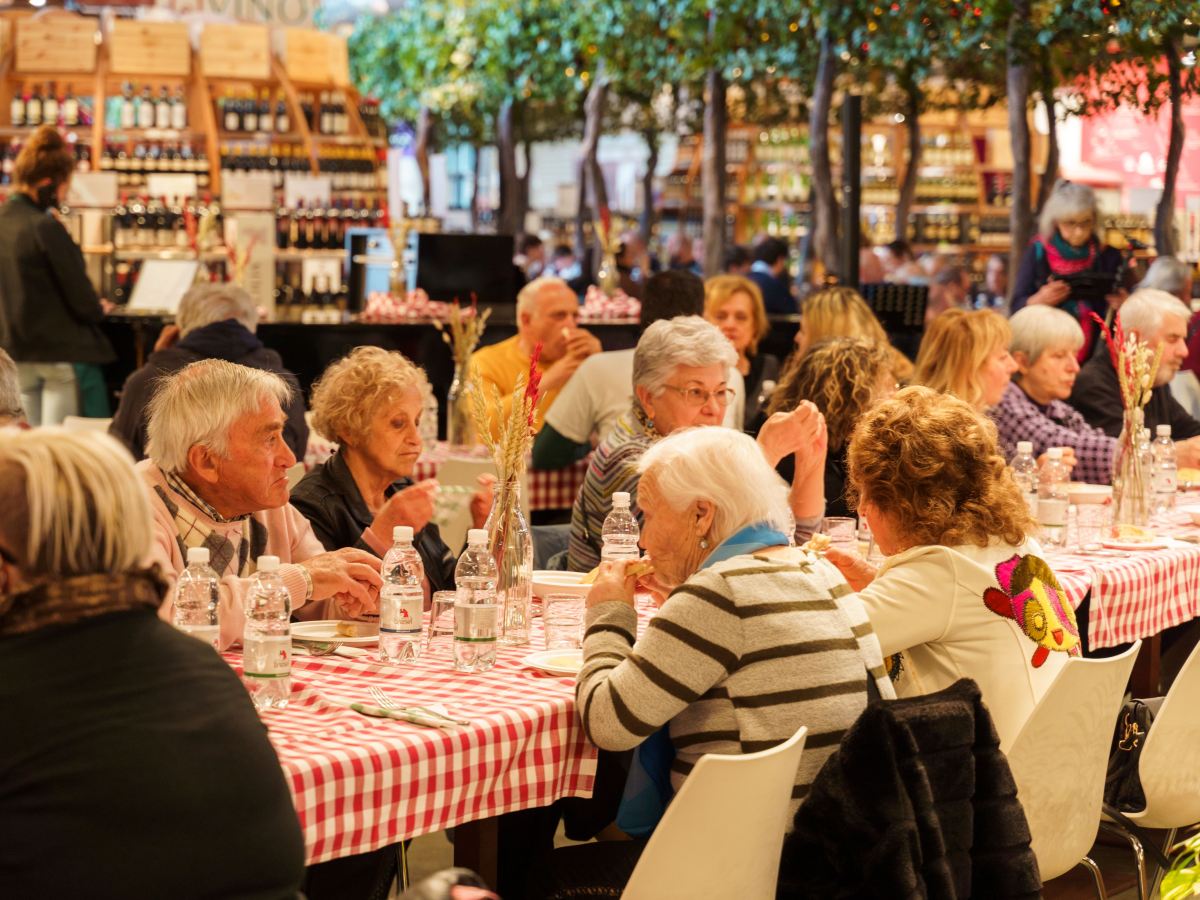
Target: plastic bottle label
(401,610)
(1052,512)
(267,656)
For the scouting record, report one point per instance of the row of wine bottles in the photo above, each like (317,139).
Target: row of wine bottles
(33,106)
(324,228)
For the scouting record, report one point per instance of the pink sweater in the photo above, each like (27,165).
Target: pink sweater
(289,536)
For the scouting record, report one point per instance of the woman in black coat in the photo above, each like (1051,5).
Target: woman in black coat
(49,311)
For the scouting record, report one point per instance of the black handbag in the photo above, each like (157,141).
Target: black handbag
(1122,785)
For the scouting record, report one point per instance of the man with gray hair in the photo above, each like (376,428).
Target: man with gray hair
(215,321)
(11,413)
(217,475)
(1171,275)
(1160,319)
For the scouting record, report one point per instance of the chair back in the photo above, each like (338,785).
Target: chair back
(84,423)
(1169,767)
(722,836)
(452,512)
(1060,758)
(294,474)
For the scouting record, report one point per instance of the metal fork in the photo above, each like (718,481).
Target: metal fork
(386,702)
(319,648)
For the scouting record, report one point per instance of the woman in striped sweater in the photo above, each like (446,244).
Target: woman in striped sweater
(754,638)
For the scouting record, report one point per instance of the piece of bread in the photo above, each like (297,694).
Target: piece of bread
(1189,475)
(357,629)
(818,543)
(635,567)
(1135,534)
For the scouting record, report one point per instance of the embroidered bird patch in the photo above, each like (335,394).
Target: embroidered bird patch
(1031,596)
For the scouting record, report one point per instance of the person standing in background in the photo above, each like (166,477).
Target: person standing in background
(49,312)
(769,272)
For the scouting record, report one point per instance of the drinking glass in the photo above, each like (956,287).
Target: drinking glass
(842,532)
(562,618)
(439,640)
(1093,514)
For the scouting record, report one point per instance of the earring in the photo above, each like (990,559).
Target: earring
(703,543)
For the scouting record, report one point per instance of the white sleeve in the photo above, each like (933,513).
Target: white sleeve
(735,412)
(911,603)
(573,413)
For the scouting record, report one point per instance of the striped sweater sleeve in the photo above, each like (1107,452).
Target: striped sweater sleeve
(692,645)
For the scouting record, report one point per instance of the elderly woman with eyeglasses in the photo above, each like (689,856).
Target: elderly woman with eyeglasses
(1067,248)
(680,379)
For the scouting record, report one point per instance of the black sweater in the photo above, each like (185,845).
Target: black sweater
(1097,396)
(132,764)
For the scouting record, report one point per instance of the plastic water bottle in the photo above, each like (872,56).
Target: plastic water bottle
(1025,473)
(267,640)
(401,600)
(620,532)
(476,613)
(1052,499)
(197,596)
(1166,470)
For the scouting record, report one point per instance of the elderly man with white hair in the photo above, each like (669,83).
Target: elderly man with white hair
(11,412)
(547,314)
(1160,319)
(1045,343)
(214,321)
(1171,275)
(217,473)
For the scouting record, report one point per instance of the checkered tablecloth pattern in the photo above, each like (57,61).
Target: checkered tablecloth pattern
(1137,593)
(553,489)
(363,783)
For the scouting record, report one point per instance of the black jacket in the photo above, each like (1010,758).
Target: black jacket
(157,747)
(228,340)
(1097,396)
(918,801)
(777,295)
(49,311)
(331,501)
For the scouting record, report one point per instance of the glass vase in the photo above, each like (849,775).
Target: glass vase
(511,545)
(608,276)
(1131,489)
(460,428)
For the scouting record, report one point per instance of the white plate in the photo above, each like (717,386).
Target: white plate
(326,630)
(551,582)
(564,661)
(1156,544)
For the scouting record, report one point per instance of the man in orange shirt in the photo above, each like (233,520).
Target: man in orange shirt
(547,313)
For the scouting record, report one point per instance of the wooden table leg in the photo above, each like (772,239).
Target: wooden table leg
(476,847)
(1146,677)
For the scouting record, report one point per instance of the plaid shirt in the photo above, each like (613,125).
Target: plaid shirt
(1018,418)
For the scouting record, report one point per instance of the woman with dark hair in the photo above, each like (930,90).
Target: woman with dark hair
(49,312)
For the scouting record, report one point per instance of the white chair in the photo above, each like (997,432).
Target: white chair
(1060,758)
(459,479)
(294,474)
(722,835)
(83,423)
(1169,767)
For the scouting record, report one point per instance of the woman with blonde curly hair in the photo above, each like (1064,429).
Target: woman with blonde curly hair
(966,354)
(964,592)
(370,404)
(735,305)
(844,378)
(841,312)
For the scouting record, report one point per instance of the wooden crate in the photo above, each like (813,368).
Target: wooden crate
(58,42)
(235,51)
(339,61)
(149,48)
(306,56)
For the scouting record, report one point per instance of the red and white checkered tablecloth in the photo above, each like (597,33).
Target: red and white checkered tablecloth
(549,489)
(362,783)
(1138,593)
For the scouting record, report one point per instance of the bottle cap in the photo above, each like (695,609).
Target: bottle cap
(402,534)
(268,564)
(198,556)
(1024,446)
(1054,453)
(1163,431)
(477,536)
(620,498)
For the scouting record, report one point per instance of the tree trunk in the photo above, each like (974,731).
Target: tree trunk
(646,226)
(908,184)
(477,165)
(421,150)
(506,148)
(825,207)
(1021,216)
(523,186)
(712,174)
(1050,172)
(592,192)
(1164,215)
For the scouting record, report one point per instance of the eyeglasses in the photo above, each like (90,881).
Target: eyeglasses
(696,397)
(1080,224)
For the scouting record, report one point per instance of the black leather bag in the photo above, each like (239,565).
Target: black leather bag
(1123,785)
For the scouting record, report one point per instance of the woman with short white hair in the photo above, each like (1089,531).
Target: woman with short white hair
(1045,345)
(120,731)
(1068,265)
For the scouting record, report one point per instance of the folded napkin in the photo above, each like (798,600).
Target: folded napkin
(416,715)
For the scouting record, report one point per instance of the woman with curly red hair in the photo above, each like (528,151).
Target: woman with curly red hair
(964,592)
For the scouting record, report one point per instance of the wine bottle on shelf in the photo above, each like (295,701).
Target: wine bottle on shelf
(139,230)
(281,228)
(50,106)
(120,225)
(230,116)
(302,230)
(178,110)
(83,158)
(249,112)
(293,222)
(282,123)
(33,107)
(266,119)
(145,118)
(128,106)
(70,108)
(326,124)
(162,109)
(16,110)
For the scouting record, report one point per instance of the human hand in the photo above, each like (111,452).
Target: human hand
(481,500)
(1187,453)
(801,431)
(560,372)
(655,585)
(412,506)
(1068,459)
(168,337)
(349,576)
(582,344)
(1052,293)
(612,584)
(856,570)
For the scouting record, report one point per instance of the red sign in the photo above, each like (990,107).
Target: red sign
(1132,148)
